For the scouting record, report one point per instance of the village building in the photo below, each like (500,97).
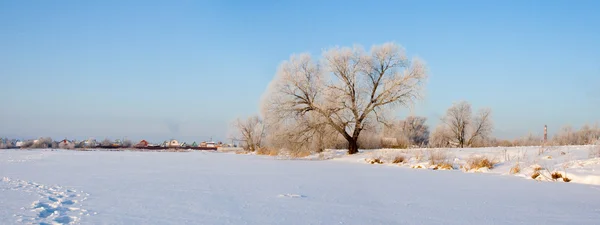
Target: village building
(143,143)
(173,144)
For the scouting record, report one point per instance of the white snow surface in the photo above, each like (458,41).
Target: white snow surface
(98,187)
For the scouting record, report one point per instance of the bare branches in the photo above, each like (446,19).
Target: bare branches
(463,128)
(482,125)
(346,88)
(252,130)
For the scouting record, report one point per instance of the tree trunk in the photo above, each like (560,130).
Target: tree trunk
(353,146)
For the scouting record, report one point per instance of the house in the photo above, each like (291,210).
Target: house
(173,143)
(66,144)
(211,144)
(194,144)
(142,143)
(90,143)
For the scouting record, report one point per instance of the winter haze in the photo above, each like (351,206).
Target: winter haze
(186,70)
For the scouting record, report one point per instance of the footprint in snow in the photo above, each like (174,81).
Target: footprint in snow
(291,196)
(56,205)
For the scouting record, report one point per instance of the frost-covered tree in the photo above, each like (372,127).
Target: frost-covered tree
(106,142)
(347,89)
(415,130)
(45,142)
(252,130)
(463,128)
(440,137)
(127,143)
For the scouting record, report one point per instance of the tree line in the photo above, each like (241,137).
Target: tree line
(346,99)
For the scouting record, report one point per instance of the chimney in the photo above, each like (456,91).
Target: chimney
(545,133)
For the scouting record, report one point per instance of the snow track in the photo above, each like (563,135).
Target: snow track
(56,204)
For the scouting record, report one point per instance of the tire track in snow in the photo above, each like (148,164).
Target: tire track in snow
(56,205)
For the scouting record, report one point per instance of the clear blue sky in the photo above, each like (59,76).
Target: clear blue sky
(186,69)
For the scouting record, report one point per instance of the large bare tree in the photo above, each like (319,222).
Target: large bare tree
(463,128)
(347,89)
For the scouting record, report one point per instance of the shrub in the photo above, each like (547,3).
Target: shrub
(267,151)
(443,166)
(439,160)
(556,175)
(375,161)
(566,179)
(399,159)
(479,162)
(437,157)
(299,154)
(515,169)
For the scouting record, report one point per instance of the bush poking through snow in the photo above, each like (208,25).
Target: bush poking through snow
(418,166)
(566,179)
(535,175)
(443,166)
(515,169)
(536,172)
(267,151)
(479,162)
(556,175)
(438,160)
(399,159)
(375,161)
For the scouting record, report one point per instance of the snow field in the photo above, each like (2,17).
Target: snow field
(227,188)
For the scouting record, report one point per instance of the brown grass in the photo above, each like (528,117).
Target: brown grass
(439,159)
(375,161)
(399,159)
(443,166)
(515,169)
(479,162)
(556,175)
(535,175)
(267,151)
(566,179)
(299,154)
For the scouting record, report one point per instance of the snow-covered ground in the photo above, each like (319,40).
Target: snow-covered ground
(581,164)
(46,187)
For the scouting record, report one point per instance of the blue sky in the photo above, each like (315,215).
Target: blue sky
(186,69)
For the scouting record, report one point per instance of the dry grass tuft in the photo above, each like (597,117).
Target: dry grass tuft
(535,175)
(439,159)
(299,154)
(443,166)
(267,151)
(375,161)
(515,169)
(556,175)
(399,159)
(566,179)
(417,167)
(480,162)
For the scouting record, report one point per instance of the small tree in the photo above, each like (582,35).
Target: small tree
(106,142)
(252,130)
(415,130)
(465,129)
